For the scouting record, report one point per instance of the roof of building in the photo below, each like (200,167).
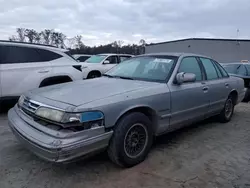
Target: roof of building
(27,44)
(209,39)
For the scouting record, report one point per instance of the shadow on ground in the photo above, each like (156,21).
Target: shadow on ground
(6,105)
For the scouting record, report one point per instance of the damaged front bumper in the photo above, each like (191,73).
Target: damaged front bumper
(52,145)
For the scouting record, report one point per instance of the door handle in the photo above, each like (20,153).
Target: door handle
(43,71)
(226,84)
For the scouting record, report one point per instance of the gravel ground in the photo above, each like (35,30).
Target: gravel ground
(208,154)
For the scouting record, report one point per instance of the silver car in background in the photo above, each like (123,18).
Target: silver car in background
(142,97)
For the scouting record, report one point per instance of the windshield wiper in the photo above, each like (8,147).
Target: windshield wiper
(123,77)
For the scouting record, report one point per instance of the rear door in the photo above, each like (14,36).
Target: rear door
(218,86)
(22,69)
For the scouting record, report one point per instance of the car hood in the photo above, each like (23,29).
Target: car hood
(82,92)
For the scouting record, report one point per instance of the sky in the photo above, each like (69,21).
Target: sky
(104,21)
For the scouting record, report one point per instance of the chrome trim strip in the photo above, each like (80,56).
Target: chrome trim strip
(45,105)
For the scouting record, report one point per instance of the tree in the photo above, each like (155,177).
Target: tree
(46,35)
(57,39)
(30,34)
(79,44)
(20,34)
(38,37)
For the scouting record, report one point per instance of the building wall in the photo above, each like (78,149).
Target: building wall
(220,50)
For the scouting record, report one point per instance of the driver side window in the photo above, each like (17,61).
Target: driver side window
(112,59)
(191,65)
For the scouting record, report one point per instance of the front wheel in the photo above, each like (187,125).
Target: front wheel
(132,140)
(228,110)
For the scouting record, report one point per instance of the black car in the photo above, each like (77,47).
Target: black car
(242,70)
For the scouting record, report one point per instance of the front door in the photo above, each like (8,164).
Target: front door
(113,61)
(189,100)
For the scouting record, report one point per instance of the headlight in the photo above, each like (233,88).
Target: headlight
(21,100)
(88,120)
(49,113)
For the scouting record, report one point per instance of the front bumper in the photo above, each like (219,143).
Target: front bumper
(53,145)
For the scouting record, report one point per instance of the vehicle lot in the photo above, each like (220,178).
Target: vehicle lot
(208,154)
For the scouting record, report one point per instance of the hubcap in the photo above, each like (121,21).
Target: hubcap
(135,140)
(228,108)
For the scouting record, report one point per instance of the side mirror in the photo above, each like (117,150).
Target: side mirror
(106,62)
(183,77)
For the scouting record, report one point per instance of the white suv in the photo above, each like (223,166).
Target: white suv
(25,66)
(96,65)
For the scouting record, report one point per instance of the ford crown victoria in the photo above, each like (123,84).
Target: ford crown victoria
(142,97)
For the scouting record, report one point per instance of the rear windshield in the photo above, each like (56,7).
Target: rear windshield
(231,68)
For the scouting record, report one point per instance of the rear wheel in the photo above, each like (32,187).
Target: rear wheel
(228,110)
(132,140)
(247,96)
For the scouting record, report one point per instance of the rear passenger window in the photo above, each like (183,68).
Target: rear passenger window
(218,71)
(209,68)
(191,65)
(47,55)
(17,54)
(223,71)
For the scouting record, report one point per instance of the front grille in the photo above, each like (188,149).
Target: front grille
(29,106)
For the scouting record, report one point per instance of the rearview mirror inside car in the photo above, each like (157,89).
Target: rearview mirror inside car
(183,77)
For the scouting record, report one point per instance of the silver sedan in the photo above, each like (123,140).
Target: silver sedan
(123,110)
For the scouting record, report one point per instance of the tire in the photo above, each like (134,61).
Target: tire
(247,96)
(228,110)
(93,75)
(126,131)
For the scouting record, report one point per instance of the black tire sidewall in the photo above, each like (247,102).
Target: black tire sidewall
(224,118)
(93,75)
(119,135)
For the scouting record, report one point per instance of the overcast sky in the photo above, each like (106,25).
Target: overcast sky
(103,21)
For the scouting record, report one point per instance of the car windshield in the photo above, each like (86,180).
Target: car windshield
(148,68)
(96,59)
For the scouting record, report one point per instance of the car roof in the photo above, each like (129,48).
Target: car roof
(82,54)
(26,44)
(235,63)
(114,54)
(178,54)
